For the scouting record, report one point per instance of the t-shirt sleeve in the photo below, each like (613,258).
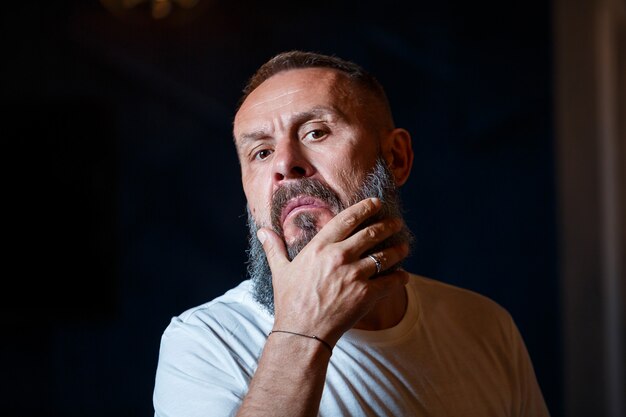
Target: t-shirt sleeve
(529,398)
(196,374)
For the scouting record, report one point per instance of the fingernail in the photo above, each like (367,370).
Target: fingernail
(260,234)
(375,200)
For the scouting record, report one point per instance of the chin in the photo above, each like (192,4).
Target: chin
(294,235)
(304,226)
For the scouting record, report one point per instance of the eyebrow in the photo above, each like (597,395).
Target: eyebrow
(296,119)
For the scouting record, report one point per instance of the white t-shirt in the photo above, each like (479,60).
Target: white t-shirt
(454,353)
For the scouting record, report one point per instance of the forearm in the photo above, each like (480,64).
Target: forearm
(289,379)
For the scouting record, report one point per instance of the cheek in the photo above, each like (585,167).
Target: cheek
(260,213)
(257,199)
(349,177)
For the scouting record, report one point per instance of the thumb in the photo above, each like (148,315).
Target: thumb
(273,246)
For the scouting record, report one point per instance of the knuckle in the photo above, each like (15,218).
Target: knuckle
(358,213)
(383,258)
(350,221)
(371,233)
(269,249)
(369,205)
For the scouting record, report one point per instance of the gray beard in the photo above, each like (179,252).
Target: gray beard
(379,182)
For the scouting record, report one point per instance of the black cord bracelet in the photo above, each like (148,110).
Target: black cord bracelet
(325,343)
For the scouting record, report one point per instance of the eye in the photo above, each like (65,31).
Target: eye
(262,154)
(315,134)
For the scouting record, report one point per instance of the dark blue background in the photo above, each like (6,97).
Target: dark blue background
(123,203)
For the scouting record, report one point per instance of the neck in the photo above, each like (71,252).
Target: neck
(386,313)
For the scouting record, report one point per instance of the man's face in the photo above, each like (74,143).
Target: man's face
(301,124)
(379,183)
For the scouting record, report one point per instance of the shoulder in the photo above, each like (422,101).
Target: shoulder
(453,304)
(227,319)
(443,294)
(209,353)
(227,332)
(236,303)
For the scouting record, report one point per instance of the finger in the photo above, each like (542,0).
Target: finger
(342,225)
(387,258)
(274,248)
(371,235)
(384,285)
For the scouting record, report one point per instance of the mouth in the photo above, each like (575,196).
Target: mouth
(298,204)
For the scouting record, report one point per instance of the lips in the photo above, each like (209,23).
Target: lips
(300,203)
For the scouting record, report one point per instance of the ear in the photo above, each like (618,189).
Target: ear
(398,152)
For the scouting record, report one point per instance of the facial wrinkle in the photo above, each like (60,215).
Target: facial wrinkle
(273,99)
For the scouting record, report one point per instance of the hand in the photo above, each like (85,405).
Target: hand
(327,288)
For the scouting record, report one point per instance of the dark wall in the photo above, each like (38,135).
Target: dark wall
(123,204)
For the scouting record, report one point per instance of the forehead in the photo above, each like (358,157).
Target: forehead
(293,91)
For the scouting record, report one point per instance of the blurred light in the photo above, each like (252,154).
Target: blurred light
(159,9)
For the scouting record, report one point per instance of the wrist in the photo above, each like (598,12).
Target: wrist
(308,336)
(288,347)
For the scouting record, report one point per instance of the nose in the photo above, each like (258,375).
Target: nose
(291,162)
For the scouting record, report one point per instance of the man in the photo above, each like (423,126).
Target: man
(329,323)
